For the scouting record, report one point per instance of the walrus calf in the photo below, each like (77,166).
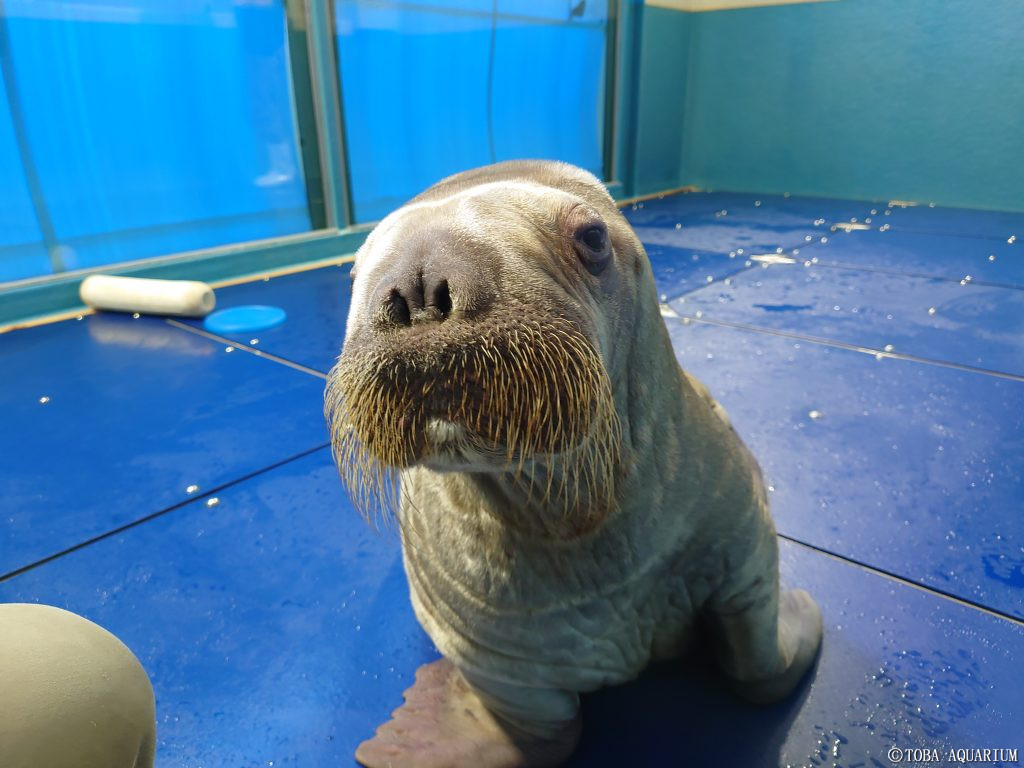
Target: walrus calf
(570,501)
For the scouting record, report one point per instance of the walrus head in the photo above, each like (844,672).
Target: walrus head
(484,337)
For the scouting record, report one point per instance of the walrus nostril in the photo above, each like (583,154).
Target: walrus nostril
(442,299)
(396,308)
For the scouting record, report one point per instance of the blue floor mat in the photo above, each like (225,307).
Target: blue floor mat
(910,468)
(275,624)
(972,259)
(710,232)
(136,412)
(999,226)
(976,325)
(681,270)
(276,628)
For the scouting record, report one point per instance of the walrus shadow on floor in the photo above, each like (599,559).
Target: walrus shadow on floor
(683,713)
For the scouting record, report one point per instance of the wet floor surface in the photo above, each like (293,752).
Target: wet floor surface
(180,495)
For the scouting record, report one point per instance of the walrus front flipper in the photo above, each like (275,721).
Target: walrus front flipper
(445,724)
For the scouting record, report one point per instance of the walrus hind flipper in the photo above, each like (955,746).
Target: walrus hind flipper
(444,724)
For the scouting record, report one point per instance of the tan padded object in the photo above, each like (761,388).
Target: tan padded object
(71,694)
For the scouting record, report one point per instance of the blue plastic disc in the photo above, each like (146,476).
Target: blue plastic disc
(251,317)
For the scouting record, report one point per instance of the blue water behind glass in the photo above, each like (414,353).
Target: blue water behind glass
(151,127)
(432,88)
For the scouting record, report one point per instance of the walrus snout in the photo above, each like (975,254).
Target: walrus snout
(430,277)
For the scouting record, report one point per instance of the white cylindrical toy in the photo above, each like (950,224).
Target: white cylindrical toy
(154,297)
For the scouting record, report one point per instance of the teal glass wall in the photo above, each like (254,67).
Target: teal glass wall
(872,99)
(434,87)
(22,252)
(137,128)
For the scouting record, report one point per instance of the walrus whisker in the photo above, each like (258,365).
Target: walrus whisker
(539,392)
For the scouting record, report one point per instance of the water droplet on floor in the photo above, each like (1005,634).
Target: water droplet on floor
(80,317)
(698,314)
(253,342)
(710,279)
(135,315)
(807,238)
(757,203)
(229,349)
(991,257)
(815,415)
(888,348)
(739,251)
(44,400)
(932,310)
(213,501)
(1012,239)
(824,240)
(678,225)
(879,356)
(192,489)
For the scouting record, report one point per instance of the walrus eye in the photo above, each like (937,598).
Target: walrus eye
(592,247)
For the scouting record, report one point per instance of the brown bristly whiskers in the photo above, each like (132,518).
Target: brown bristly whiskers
(535,392)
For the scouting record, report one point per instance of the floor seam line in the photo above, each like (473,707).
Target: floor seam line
(159,513)
(246,348)
(878,353)
(904,580)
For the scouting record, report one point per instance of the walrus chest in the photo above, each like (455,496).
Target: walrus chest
(562,616)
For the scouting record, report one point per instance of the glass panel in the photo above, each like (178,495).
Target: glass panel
(432,88)
(22,253)
(153,127)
